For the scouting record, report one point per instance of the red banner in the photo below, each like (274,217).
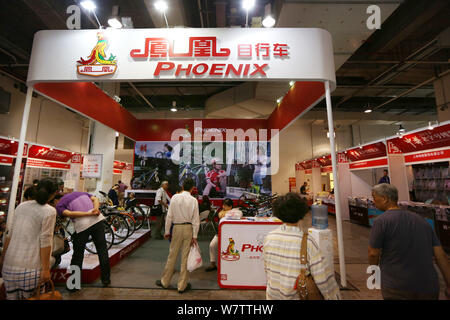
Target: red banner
(342,158)
(292,184)
(45,153)
(119,165)
(117,171)
(309,171)
(439,137)
(370,151)
(324,161)
(47,164)
(9,147)
(431,156)
(369,164)
(6,160)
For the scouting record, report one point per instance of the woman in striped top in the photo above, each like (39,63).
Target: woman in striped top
(282,254)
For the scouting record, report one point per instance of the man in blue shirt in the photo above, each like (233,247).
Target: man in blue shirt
(385,178)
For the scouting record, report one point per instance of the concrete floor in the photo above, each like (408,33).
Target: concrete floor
(356,261)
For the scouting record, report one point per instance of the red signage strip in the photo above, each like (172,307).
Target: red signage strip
(6,161)
(88,99)
(47,164)
(45,153)
(370,151)
(430,156)
(423,140)
(326,169)
(117,171)
(367,164)
(9,147)
(298,100)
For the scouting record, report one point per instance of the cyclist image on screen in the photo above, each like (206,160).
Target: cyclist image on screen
(216,179)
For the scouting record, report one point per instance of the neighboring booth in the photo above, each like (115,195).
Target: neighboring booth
(123,171)
(424,157)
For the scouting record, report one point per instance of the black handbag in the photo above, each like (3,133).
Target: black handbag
(156,210)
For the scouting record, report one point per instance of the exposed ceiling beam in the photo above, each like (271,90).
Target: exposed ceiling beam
(46,13)
(142,96)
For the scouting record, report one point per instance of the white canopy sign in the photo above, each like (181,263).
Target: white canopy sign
(182,54)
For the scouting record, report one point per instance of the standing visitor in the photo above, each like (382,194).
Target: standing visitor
(183,213)
(121,192)
(303,188)
(162,199)
(385,178)
(113,195)
(83,209)
(281,252)
(403,244)
(25,262)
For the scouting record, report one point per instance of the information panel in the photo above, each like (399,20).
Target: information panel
(92,166)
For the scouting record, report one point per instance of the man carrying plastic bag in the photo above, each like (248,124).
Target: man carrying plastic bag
(195,258)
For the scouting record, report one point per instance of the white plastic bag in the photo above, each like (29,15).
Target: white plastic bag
(195,258)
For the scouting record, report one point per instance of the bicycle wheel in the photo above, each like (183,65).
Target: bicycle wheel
(109,237)
(119,226)
(139,217)
(130,221)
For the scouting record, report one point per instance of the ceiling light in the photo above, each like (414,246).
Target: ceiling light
(174,106)
(117,134)
(360,147)
(88,5)
(430,125)
(115,23)
(401,129)
(161,6)
(12,141)
(268,22)
(279,100)
(368,111)
(248,4)
(291,83)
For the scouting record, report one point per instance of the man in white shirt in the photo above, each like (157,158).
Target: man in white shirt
(183,214)
(161,198)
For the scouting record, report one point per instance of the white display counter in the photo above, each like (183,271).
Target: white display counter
(240,260)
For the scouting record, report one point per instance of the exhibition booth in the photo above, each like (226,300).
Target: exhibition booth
(190,55)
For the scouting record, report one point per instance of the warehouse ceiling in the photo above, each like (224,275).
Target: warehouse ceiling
(388,69)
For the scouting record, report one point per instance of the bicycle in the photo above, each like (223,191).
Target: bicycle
(67,225)
(193,173)
(145,179)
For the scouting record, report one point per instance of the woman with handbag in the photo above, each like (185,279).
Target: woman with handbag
(295,268)
(28,245)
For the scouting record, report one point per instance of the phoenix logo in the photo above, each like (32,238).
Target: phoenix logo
(97,64)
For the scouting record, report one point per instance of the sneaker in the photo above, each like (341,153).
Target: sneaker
(188,287)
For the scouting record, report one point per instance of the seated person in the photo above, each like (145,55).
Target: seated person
(227,211)
(131,201)
(204,208)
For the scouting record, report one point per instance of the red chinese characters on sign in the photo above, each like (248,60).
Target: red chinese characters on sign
(6,160)
(342,158)
(45,153)
(207,47)
(439,137)
(198,47)
(324,162)
(292,184)
(9,147)
(47,164)
(371,151)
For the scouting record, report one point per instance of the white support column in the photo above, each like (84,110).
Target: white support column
(103,142)
(336,187)
(15,183)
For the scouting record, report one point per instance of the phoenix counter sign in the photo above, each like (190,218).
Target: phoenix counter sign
(97,64)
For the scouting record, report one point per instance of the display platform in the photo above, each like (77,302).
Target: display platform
(91,266)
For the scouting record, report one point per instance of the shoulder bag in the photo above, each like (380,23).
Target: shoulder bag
(50,295)
(305,285)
